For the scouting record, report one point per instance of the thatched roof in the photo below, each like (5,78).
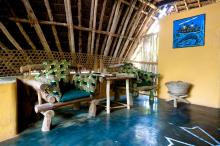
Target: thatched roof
(104,27)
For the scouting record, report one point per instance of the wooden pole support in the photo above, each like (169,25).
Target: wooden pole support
(47,120)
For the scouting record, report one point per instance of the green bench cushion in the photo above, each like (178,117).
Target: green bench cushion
(74,94)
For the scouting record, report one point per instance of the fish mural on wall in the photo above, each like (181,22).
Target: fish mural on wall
(189,32)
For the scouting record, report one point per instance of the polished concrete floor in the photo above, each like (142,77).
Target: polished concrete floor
(146,124)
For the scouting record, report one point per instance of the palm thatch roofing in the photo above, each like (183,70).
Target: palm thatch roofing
(96,27)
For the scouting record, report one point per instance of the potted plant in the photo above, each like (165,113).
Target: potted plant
(142,78)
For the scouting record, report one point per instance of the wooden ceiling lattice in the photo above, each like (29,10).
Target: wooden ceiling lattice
(12,60)
(110,28)
(101,31)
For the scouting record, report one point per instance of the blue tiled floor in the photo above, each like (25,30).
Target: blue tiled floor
(146,124)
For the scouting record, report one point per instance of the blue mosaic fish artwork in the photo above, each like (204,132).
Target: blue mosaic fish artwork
(189,32)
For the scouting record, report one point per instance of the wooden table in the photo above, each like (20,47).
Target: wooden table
(114,78)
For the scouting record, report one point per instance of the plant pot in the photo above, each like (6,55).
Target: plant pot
(178,87)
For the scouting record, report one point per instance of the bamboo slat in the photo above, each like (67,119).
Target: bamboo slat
(57,41)
(141,33)
(37,27)
(66,25)
(113,27)
(124,27)
(94,25)
(100,26)
(79,23)
(69,19)
(90,26)
(138,18)
(20,27)
(108,27)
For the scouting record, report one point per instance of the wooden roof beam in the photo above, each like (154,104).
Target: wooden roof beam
(20,27)
(142,1)
(37,27)
(132,27)
(113,27)
(69,19)
(119,31)
(27,38)
(186,5)
(66,25)
(10,37)
(124,27)
(79,4)
(176,8)
(132,31)
(57,41)
(100,26)
(4,47)
(13,41)
(94,25)
(108,27)
(90,26)
(139,34)
(199,3)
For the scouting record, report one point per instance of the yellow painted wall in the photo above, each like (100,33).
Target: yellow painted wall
(8,106)
(197,65)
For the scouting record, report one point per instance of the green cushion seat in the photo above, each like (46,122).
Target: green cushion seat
(74,94)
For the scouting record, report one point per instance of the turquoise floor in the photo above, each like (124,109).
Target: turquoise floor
(146,124)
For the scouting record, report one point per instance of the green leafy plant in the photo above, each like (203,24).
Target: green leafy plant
(142,78)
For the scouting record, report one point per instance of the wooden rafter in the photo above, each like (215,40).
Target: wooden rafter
(66,25)
(10,37)
(100,26)
(138,18)
(37,27)
(149,4)
(144,2)
(108,27)
(23,32)
(176,8)
(131,27)
(69,19)
(13,41)
(186,5)
(119,31)
(140,34)
(94,25)
(113,27)
(124,27)
(4,47)
(79,4)
(90,25)
(20,27)
(131,23)
(199,3)
(57,41)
